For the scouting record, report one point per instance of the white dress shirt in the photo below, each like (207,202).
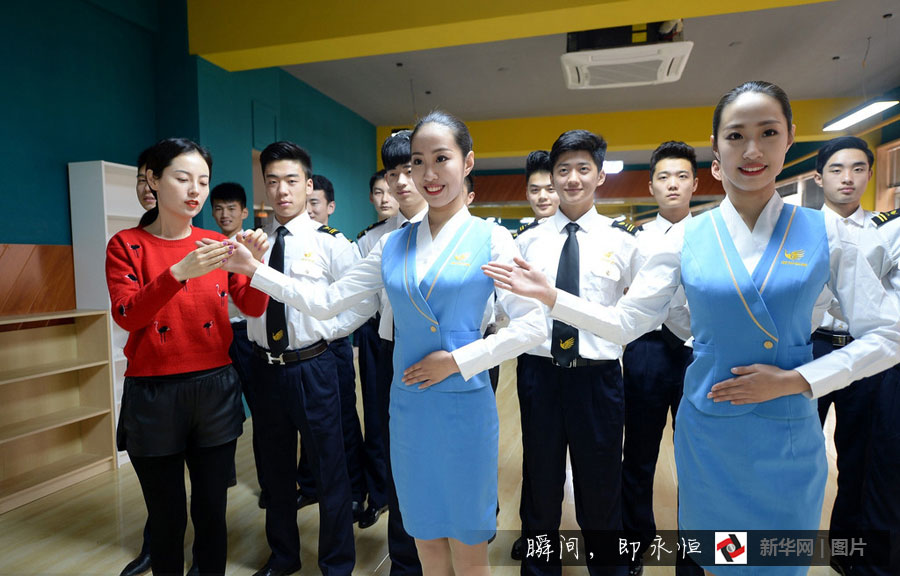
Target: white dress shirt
(527,324)
(888,239)
(651,238)
(234,313)
(607,257)
(828,313)
(316,258)
(873,316)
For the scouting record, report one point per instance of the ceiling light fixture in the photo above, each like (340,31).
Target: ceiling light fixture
(613,166)
(859,114)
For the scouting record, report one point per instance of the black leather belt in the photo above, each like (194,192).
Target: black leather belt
(838,339)
(582,362)
(291,356)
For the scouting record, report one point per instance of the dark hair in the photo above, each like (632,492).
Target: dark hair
(470,184)
(229,192)
(395,150)
(835,145)
(538,161)
(160,156)
(285,150)
(324,184)
(576,140)
(457,127)
(375,178)
(142,157)
(754,86)
(673,149)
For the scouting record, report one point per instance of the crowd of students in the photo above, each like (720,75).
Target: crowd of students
(741,321)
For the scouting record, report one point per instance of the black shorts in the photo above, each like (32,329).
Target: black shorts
(164,415)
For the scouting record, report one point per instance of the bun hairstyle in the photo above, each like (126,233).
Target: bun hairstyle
(457,127)
(754,86)
(159,156)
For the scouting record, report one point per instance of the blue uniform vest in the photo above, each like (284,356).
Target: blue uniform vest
(444,311)
(739,318)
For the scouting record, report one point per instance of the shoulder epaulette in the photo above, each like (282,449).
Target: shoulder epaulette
(885,217)
(329,230)
(525,227)
(626,227)
(371,226)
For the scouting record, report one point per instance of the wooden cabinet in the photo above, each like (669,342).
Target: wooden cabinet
(103,201)
(56,417)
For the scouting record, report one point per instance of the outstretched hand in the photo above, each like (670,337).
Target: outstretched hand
(431,369)
(758,383)
(521,279)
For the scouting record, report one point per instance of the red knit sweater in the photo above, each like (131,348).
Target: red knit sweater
(174,327)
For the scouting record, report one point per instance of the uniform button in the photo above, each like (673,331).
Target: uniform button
(433,329)
(768,345)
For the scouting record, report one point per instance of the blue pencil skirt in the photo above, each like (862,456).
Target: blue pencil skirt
(739,473)
(444,458)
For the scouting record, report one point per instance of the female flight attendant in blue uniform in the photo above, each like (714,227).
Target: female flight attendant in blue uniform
(443,417)
(749,449)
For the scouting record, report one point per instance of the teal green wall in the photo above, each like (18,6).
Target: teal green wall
(240,111)
(77,85)
(104,79)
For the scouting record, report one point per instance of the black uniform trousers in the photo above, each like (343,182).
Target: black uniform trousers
(881,490)
(653,370)
(852,432)
(353,441)
(241,352)
(374,456)
(303,396)
(581,409)
(401,546)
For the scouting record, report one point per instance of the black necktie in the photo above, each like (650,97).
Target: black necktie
(564,347)
(276,325)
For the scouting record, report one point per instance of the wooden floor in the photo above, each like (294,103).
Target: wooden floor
(95,527)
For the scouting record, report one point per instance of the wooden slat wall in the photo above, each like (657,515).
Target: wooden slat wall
(35,278)
(499,188)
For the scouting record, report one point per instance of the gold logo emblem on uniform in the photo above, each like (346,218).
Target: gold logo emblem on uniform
(278,335)
(566,344)
(793,258)
(460,259)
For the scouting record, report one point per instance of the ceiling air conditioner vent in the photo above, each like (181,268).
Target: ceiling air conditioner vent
(629,66)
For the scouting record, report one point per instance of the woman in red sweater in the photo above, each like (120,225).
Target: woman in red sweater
(182,399)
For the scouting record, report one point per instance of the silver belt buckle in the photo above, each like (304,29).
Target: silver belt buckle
(840,340)
(274,359)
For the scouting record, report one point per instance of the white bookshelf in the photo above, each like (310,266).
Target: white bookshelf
(103,201)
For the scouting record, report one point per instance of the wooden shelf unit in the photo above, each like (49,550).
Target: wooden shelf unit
(56,405)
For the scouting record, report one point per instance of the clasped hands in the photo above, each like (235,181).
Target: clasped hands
(751,384)
(241,255)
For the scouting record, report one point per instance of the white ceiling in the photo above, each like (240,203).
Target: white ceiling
(794,47)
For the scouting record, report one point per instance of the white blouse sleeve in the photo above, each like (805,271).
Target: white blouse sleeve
(870,312)
(643,308)
(527,327)
(321,302)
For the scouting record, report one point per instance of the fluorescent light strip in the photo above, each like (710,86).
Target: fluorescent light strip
(860,115)
(613,166)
